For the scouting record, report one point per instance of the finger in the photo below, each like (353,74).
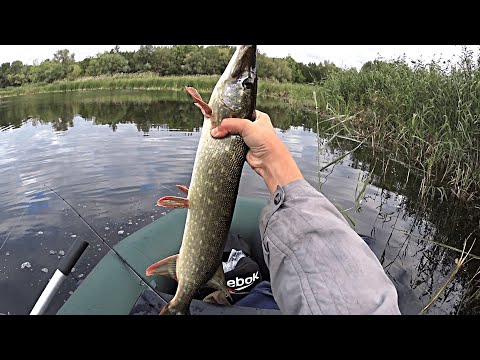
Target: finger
(219,132)
(262,118)
(231,126)
(259,114)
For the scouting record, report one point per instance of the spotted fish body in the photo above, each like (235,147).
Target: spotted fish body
(214,185)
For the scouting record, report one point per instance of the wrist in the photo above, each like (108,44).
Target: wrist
(280,168)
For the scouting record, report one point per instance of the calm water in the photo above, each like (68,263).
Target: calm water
(113,154)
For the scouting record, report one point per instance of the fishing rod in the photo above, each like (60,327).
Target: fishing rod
(18,220)
(59,276)
(108,246)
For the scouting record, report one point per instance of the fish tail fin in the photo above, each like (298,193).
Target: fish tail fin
(175,309)
(218,282)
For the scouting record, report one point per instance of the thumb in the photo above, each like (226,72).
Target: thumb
(231,126)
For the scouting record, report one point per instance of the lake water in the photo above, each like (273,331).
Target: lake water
(112,154)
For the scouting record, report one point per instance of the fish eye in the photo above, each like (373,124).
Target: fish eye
(248,83)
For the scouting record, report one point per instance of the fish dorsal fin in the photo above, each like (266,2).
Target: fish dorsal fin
(166,267)
(206,109)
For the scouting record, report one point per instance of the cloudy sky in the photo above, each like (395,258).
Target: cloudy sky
(341,55)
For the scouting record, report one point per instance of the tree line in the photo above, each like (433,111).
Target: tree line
(176,60)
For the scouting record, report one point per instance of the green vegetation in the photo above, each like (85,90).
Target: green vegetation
(287,92)
(425,115)
(169,68)
(146,109)
(422,118)
(178,60)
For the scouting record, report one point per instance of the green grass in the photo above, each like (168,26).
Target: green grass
(427,116)
(288,93)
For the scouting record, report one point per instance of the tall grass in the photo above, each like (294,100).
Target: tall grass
(427,115)
(289,93)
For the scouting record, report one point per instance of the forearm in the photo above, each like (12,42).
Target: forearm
(317,263)
(279,168)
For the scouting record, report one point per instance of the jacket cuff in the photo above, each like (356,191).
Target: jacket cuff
(281,194)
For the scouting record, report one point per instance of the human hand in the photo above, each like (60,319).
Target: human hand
(267,154)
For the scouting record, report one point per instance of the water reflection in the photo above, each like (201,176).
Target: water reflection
(419,236)
(112,154)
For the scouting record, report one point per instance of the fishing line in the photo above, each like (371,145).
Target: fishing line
(18,220)
(111,249)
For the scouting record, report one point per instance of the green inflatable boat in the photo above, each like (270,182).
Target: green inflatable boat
(112,288)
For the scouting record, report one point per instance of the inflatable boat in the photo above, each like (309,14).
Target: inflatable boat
(112,288)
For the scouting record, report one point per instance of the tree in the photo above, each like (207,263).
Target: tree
(112,64)
(273,68)
(318,73)
(295,67)
(75,73)
(217,58)
(174,60)
(195,63)
(281,71)
(162,58)
(4,70)
(142,58)
(17,74)
(129,56)
(93,67)
(66,59)
(265,66)
(84,64)
(180,52)
(48,71)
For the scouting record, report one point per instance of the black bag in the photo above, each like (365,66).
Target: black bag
(245,274)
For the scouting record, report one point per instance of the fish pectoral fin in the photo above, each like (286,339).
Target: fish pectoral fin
(182,188)
(166,267)
(206,109)
(218,282)
(174,202)
(207,112)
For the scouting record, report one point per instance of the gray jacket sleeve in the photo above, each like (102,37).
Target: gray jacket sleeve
(318,264)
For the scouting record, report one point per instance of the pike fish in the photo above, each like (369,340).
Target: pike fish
(213,190)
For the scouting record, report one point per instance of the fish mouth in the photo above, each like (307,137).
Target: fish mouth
(245,65)
(240,87)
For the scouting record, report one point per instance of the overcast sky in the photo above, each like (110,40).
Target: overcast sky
(341,55)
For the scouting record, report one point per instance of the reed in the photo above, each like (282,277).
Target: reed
(427,115)
(288,93)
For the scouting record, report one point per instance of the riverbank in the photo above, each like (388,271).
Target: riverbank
(426,116)
(295,94)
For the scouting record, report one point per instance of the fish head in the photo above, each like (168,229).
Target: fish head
(235,93)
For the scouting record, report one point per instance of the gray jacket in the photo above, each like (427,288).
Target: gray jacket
(318,264)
